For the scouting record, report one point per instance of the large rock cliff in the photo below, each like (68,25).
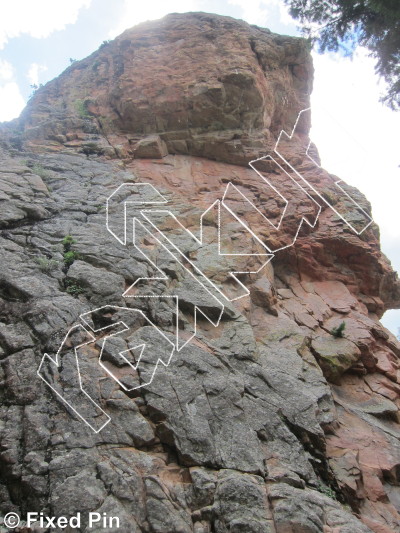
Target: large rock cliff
(192,383)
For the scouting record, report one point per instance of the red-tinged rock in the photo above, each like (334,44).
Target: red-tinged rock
(374,489)
(386,363)
(184,104)
(262,293)
(335,355)
(202,97)
(151,147)
(336,295)
(384,386)
(370,454)
(354,330)
(376,526)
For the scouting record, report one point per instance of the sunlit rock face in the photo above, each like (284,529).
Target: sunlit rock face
(207,86)
(270,417)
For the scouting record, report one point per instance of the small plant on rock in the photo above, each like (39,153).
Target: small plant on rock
(67,242)
(338,332)
(39,170)
(35,87)
(73,287)
(46,265)
(81,108)
(324,489)
(69,255)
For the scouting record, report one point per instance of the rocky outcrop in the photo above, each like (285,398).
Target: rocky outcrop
(210,86)
(265,419)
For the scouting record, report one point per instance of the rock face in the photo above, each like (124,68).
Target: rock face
(260,419)
(206,86)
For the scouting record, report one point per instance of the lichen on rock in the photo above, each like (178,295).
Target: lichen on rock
(262,421)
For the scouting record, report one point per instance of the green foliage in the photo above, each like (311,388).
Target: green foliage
(309,44)
(40,171)
(70,257)
(81,108)
(67,242)
(338,332)
(345,24)
(73,287)
(71,60)
(324,489)
(104,43)
(45,264)
(35,87)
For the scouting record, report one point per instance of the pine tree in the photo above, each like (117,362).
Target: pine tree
(344,24)
(339,331)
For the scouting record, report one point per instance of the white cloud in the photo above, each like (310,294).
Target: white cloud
(357,138)
(391,321)
(356,135)
(134,12)
(284,14)
(6,71)
(11,101)
(34,72)
(39,18)
(260,12)
(254,11)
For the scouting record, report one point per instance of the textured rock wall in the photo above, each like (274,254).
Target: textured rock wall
(206,86)
(264,422)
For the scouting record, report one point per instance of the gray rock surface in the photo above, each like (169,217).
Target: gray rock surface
(242,431)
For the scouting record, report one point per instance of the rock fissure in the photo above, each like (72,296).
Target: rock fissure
(254,413)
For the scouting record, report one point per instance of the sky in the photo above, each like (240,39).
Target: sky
(357,137)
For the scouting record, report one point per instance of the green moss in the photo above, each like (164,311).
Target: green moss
(330,197)
(324,489)
(334,366)
(81,108)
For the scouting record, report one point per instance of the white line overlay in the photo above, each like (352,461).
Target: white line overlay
(147,346)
